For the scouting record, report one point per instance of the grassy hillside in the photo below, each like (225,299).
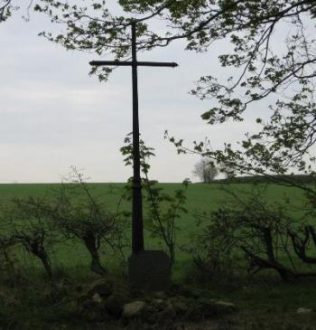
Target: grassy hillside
(200,198)
(263,303)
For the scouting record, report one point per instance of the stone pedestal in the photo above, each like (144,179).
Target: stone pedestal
(149,271)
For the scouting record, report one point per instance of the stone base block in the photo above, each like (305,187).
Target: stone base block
(149,271)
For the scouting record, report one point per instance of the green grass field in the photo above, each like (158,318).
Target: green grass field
(200,198)
(264,302)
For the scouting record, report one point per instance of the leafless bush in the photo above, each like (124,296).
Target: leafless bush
(31,228)
(264,234)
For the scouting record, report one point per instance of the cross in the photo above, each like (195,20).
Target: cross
(137,208)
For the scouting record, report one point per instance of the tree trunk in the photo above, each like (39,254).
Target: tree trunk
(40,252)
(90,243)
(46,264)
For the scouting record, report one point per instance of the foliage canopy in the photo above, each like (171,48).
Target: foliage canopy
(271,57)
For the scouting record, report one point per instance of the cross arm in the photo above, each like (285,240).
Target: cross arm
(129,63)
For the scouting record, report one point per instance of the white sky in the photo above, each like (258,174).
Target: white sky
(53,115)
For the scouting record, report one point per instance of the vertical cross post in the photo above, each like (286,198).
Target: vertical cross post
(137,210)
(137,207)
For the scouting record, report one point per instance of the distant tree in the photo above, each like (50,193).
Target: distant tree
(205,170)
(228,172)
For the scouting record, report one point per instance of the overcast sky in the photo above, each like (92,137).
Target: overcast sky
(53,115)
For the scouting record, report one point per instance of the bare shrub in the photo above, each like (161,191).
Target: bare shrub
(262,234)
